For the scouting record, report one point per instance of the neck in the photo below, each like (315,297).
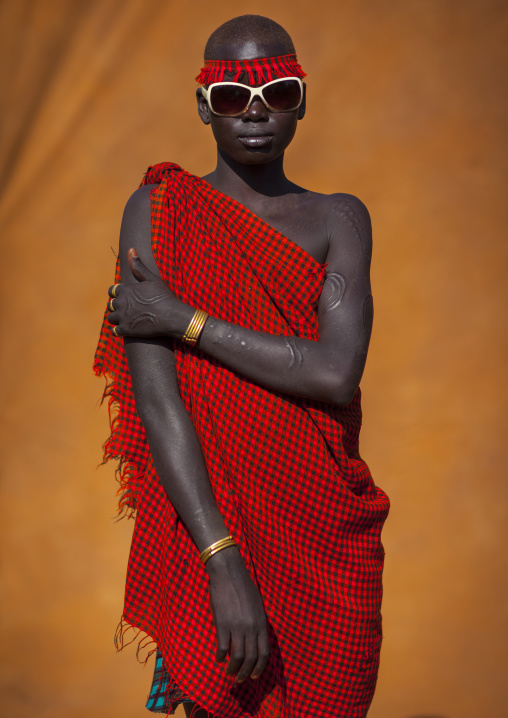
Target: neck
(246,183)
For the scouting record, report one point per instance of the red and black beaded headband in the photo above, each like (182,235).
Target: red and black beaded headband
(259,71)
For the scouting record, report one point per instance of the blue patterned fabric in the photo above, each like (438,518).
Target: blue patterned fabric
(164,696)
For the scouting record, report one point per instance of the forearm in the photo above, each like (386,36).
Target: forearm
(291,365)
(323,370)
(174,445)
(326,370)
(180,465)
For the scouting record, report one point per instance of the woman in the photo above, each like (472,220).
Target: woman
(246,312)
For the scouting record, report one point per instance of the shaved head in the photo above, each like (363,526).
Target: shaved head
(248,29)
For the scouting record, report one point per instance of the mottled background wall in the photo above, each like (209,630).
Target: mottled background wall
(407,109)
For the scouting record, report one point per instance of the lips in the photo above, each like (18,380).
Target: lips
(256,133)
(255,140)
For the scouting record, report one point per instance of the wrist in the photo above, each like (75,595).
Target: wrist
(178,322)
(195,327)
(224,561)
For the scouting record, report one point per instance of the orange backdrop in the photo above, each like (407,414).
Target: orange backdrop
(408,110)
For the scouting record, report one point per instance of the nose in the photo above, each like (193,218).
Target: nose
(256,112)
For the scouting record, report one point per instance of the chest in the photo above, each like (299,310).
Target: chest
(303,223)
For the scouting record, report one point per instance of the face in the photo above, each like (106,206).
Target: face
(259,135)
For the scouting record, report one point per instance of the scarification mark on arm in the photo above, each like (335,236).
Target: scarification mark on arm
(334,286)
(296,357)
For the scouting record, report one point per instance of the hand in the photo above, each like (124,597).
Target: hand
(239,616)
(147,308)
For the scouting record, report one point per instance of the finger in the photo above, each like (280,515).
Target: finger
(113,290)
(110,306)
(223,640)
(237,655)
(263,654)
(138,268)
(251,657)
(113,318)
(114,331)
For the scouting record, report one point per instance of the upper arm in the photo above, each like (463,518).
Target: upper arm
(136,232)
(345,305)
(151,361)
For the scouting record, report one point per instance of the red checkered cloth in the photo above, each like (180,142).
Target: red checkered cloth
(286,472)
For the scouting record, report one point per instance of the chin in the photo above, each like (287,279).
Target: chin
(254,156)
(258,157)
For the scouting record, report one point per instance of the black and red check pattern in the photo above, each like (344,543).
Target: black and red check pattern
(257,72)
(286,473)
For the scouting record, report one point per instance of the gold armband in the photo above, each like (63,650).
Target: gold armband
(193,331)
(215,548)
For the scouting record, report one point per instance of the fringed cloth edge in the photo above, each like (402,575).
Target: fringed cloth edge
(258,71)
(127,472)
(174,695)
(337,476)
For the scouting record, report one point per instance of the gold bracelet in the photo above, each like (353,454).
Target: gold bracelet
(193,331)
(215,548)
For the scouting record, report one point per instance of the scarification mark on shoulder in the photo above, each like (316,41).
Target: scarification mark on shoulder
(295,355)
(344,211)
(334,286)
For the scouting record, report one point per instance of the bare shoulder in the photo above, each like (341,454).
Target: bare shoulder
(335,202)
(347,211)
(348,223)
(344,222)
(342,219)
(139,200)
(339,211)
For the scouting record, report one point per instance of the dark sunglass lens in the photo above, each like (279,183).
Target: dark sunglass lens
(229,99)
(284,95)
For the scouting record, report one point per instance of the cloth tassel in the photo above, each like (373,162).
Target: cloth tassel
(258,71)
(144,640)
(128,474)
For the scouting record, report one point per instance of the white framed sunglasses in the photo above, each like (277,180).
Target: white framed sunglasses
(230,99)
